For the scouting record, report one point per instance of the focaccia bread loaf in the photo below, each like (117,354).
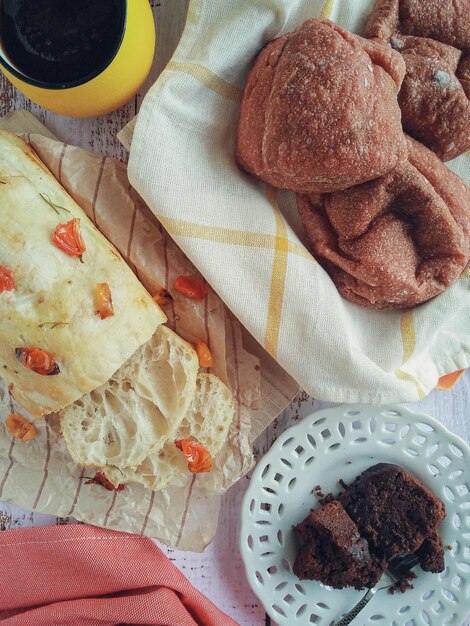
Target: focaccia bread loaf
(135,412)
(48,299)
(319,111)
(207,420)
(397,241)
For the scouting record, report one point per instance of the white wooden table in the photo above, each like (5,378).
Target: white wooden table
(219,571)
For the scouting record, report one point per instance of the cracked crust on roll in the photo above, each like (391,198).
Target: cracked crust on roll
(320,112)
(397,241)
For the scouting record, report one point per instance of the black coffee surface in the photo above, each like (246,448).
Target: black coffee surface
(60,41)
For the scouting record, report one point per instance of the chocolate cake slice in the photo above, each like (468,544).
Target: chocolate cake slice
(396,513)
(333,551)
(385,512)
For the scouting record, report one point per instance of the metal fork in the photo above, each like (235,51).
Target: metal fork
(397,567)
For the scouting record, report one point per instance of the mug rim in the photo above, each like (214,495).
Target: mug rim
(79,81)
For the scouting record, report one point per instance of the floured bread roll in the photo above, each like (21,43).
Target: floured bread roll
(320,111)
(434,98)
(207,420)
(135,412)
(443,20)
(396,241)
(434,106)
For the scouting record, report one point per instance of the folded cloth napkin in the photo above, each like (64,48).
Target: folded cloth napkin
(84,576)
(247,239)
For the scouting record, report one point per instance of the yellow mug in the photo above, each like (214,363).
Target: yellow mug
(109,85)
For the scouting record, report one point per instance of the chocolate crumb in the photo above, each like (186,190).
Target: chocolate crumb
(327,499)
(321,497)
(403,583)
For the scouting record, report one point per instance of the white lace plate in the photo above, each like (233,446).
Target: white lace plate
(341,443)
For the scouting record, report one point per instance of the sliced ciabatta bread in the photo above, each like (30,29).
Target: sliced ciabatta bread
(207,420)
(156,471)
(210,413)
(138,409)
(163,371)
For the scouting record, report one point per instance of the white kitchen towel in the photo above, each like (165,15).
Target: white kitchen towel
(246,237)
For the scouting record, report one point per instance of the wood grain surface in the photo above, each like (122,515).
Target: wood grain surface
(219,571)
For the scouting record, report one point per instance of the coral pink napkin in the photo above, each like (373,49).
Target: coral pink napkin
(85,576)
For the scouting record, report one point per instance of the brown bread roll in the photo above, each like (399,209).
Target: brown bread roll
(396,241)
(434,98)
(319,111)
(447,21)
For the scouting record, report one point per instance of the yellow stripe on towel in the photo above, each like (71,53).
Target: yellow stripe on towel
(327,9)
(466,273)
(408,337)
(229,236)
(278,279)
(207,78)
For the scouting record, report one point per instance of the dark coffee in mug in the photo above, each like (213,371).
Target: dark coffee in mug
(60,41)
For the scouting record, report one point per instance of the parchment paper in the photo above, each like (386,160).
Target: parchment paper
(40,474)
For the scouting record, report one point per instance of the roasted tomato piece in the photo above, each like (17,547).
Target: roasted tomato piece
(198,456)
(68,238)
(38,361)
(203,354)
(19,427)
(104,300)
(192,287)
(163,297)
(7,282)
(100,479)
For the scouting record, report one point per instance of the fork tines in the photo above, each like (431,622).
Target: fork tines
(402,564)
